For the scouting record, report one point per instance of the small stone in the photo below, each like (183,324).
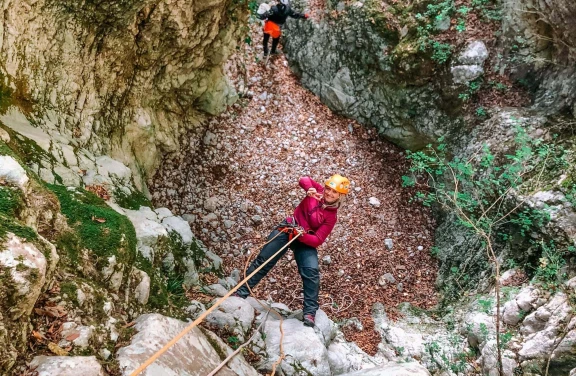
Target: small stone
(389,243)
(340,273)
(385,279)
(211,204)
(374,202)
(327,260)
(400,287)
(256,219)
(228,223)
(420,248)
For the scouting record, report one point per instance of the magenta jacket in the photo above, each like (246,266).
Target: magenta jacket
(317,219)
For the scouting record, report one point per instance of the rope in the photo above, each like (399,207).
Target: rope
(203,316)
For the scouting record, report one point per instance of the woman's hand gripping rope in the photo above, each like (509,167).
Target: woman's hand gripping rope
(203,316)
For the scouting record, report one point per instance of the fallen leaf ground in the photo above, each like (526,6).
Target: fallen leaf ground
(249,160)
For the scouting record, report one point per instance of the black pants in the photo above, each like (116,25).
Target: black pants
(274,43)
(306,259)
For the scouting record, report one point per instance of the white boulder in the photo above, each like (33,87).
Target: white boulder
(27,267)
(190,356)
(234,313)
(475,53)
(303,348)
(12,173)
(67,366)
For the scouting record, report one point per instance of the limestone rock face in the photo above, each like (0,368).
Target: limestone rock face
(118,76)
(192,355)
(544,32)
(345,62)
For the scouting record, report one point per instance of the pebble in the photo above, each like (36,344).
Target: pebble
(385,279)
(374,202)
(327,260)
(389,243)
(420,248)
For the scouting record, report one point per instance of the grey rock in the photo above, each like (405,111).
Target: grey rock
(257,219)
(67,366)
(475,53)
(373,201)
(442,24)
(303,348)
(195,309)
(234,313)
(389,243)
(346,357)
(477,326)
(511,314)
(489,360)
(327,260)
(385,279)
(462,74)
(155,330)
(216,289)
(211,204)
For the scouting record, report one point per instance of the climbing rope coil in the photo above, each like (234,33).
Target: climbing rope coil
(293,230)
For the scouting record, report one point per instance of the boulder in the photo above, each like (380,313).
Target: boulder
(84,333)
(346,357)
(393,369)
(304,350)
(142,282)
(489,360)
(117,171)
(511,314)
(551,329)
(12,173)
(190,356)
(462,74)
(475,53)
(478,326)
(67,366)
(148,230)
(234,313)
(180,226)
(27,270)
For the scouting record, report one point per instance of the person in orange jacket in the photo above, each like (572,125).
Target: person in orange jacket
(274,18)
(315,216)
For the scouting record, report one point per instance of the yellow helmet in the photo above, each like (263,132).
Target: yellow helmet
(338,183)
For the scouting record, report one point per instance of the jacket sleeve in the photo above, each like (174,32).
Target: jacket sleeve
(317,238)
(306,183)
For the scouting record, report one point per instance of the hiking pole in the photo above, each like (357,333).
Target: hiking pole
(203,316)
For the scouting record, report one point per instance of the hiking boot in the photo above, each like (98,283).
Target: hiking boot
(309,320)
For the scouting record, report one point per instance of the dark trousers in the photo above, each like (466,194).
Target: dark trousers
(274,43)
(306,259)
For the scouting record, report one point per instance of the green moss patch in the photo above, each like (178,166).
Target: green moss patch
(132,201)
(97,227)
(11,202)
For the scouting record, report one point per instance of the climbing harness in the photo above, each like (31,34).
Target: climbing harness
(173,341)
(291,228)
